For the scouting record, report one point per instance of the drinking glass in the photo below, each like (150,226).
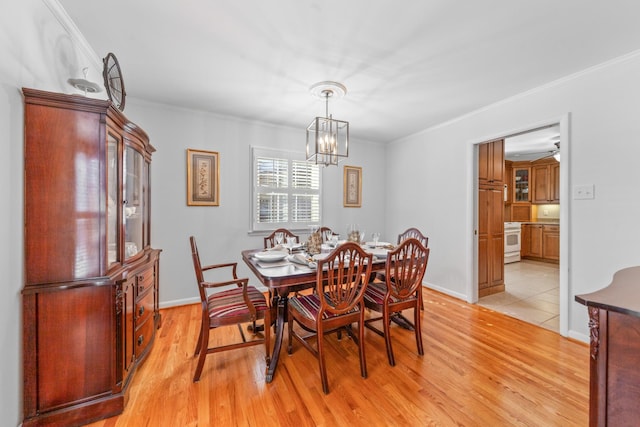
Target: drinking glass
(363,237)
(375,237)
(291,241)
(334,240)
(278,237)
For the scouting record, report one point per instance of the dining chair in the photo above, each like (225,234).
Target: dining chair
(324,231)
(269,241)
(341,280)
(416,234)
(235,306)
(401,290)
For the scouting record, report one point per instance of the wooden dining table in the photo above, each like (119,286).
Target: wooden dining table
(284,278)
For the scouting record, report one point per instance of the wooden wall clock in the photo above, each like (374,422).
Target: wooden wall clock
(113,81)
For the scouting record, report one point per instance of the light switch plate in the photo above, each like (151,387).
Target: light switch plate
(583,192)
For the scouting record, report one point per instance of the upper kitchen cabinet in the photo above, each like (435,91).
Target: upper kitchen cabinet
(546,181)
(491,163)
(90,295)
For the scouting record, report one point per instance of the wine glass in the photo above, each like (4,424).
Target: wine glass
(363,237)
(278,237)
(375,237)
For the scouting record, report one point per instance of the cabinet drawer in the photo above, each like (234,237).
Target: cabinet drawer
(144,335)
(144,280)
(144,307)
(551,229)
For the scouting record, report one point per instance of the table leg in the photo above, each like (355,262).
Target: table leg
(281,302)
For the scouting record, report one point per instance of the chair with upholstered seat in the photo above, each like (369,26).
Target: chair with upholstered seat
(234,306)
(416,234)
(270,241)
(337,303)
(401,290)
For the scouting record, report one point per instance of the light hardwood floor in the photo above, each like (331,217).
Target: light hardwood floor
(480,368)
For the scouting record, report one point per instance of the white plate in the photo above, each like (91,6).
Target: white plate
(317,257)
(271,256)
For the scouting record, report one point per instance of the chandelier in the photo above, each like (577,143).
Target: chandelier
(327,138)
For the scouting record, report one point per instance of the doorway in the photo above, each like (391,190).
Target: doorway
(536,289)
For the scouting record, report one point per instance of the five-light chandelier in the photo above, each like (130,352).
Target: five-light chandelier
(327,138)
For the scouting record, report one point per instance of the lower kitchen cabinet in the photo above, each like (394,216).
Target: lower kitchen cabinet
(541,242)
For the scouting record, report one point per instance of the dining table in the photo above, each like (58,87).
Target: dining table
(284,277)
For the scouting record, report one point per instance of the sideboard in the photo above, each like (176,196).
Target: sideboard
(614,324)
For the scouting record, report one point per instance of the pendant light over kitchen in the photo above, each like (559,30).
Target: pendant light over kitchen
(327,138)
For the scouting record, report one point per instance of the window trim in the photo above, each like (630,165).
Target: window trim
(289,155)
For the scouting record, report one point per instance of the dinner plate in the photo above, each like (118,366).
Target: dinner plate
(270,256)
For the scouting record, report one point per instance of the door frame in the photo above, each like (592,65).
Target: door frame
(564,122)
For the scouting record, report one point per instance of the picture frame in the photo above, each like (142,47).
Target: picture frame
(352,187)
(203,178)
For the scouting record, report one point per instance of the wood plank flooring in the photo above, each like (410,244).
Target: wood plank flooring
(480,368)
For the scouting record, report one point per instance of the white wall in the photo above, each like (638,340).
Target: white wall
(222,232)
(603,233)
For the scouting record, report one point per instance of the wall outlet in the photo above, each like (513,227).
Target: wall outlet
(583,192)
(545,212)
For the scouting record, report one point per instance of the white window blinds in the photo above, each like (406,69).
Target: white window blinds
(286,190)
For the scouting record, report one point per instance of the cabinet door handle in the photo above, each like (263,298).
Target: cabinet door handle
(140,288)
(140,340)
(141,310)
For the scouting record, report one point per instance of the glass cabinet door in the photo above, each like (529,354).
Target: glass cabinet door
(112,199)
(521,185)
(134,206)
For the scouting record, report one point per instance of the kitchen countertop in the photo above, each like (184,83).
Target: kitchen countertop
(550,221)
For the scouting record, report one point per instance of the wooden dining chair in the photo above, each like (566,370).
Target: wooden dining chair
(401,290)
(235,306)
(341,281)
(416,234)
(323,232)
(270,241)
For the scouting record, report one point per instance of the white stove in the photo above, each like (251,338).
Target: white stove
(512,237)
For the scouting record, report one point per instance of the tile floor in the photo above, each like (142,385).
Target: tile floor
(531,293)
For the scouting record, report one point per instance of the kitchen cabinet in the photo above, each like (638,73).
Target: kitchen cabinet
(614,356)
(546,182)
(491,218)
(90,295)
(521,180)
(491,163)
(541,242)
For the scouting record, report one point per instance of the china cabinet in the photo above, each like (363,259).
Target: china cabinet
(90,296)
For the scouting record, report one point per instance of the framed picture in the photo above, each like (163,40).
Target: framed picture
(352,187)
(203,178)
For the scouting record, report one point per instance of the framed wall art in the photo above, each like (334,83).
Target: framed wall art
(203,178)
(352,187)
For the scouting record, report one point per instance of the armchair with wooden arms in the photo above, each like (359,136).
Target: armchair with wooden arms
(401,290)
(341,281)
(235,306)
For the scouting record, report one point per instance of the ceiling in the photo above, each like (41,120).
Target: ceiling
(405,68)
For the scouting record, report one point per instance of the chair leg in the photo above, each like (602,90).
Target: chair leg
(387,336)
(199,342)
(204,347)
(417,326)
(290,329)
(363,360)
(321,363)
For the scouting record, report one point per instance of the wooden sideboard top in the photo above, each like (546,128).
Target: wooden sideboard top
(622,295)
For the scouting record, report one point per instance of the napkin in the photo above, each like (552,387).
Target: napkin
(275,248)
(303,260)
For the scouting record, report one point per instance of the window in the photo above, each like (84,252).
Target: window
(286,190)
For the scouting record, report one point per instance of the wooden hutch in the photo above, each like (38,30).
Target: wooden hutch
(90,297)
